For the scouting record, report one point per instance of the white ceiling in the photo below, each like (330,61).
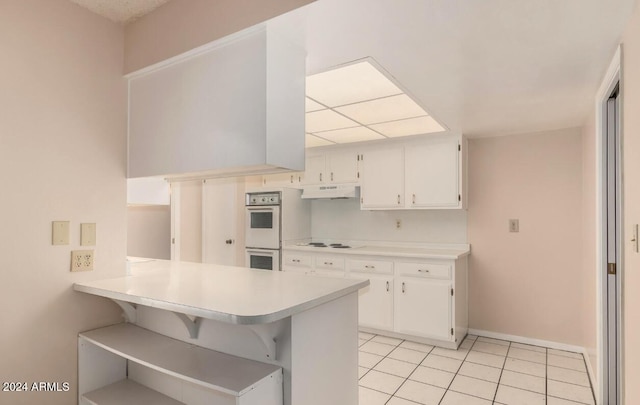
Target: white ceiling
(481,67)
(121,11)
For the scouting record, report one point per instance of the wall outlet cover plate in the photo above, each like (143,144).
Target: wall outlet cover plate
(82,260)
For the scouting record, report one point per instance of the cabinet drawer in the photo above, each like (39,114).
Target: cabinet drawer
(370,266)
(431,270)
(329,262)
(298,260)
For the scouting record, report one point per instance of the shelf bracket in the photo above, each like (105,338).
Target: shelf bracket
(193,325)
(268,342)
(128,309)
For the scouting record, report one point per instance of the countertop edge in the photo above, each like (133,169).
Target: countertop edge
(375,252)
(216,315)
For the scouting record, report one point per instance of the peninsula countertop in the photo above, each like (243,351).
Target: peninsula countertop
(223,293)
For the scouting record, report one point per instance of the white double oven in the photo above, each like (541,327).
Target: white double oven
(272,218)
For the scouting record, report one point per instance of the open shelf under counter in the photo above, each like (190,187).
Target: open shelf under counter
(126,392)
(186,363)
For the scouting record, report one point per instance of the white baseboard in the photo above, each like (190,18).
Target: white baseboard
(544,343)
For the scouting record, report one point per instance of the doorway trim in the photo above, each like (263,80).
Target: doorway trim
(612,79)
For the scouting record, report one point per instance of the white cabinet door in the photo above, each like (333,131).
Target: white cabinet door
(342,167)
(423,307)
(382,180)
(375,303)
(432,174)
(315,170)
(290,179)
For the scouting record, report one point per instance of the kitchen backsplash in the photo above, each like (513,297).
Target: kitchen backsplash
(343,220)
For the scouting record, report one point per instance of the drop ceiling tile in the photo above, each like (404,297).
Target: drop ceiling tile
(310,105)
(350,84)
(411,126)
(326,120)
(313,141)
(347,135)
(383,110)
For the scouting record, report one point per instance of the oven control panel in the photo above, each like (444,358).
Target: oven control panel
(262,199)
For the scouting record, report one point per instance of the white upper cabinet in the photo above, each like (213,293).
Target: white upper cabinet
(425,174)
(382,180)
(232,107)
(432,174)
(332,167)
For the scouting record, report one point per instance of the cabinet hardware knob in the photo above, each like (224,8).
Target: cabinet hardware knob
(403,287)
(331,176)
(414,198)
(292,179)
(387,286)
(398,199)
(329,263)
(320,176)
(423,271)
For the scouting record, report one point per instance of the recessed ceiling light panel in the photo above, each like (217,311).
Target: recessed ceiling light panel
(383,110)
(326,120)
(411,126)
(348,135)
(350,84)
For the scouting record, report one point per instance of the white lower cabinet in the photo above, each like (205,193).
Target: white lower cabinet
(411,298)
(125,364)
(423,308)
(375,303)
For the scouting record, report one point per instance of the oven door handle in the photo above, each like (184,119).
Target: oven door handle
(261,252)
(260,209)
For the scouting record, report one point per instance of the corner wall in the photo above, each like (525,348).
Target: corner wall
(529,283)
(62,157)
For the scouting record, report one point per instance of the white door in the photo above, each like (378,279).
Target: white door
(432,174)
(382,179)
(220,220)
(375,302)
(423,307)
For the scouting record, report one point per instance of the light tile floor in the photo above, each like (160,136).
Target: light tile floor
(482,371)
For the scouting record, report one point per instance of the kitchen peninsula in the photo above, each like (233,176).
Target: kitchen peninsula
(192,327)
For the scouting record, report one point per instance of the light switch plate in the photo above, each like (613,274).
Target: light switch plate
(82,260)
(60,233)
(87,234)
(514,225)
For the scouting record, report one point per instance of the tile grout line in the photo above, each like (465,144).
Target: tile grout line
(457,371)
(407,378)
(495,394)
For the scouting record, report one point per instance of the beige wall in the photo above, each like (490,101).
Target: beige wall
(181,25)
(589,242)
(62,157)
(529,283)
(149,231)
(631,201)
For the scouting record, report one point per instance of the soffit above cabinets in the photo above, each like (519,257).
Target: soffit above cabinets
(360,102)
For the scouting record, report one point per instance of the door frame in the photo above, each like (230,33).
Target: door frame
(612,79)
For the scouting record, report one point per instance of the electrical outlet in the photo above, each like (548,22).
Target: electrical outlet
(60,233)
(87,234)
(82,260)
(514,225)
(398,224)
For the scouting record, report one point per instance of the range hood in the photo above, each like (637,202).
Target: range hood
(333,191)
